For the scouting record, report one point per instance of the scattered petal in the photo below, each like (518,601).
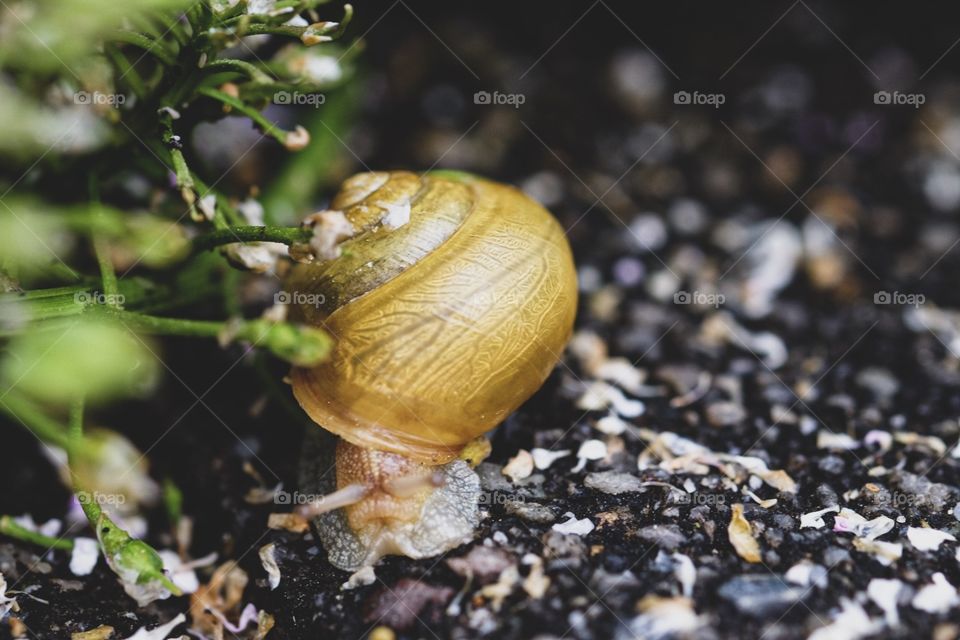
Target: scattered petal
(685,572)
(158,633)
(806,574)
(851,623)
(885,594)
(611,425)
(590,450)
(814,519)
(602,395)
(269,561)
(536,583)
(519,466)
(938,597)
(849,521)
(662,618)
(544,458)
(330,228)
(841,441)
(7,604)
(741,535)
(84,556)
(573,526)
(886,553)
(926,539)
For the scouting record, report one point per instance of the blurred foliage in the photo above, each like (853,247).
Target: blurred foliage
(109,222)
(95,359)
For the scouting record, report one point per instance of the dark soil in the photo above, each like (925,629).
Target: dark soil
(799,120)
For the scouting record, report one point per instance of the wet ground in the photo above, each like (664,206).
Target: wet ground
(769,318)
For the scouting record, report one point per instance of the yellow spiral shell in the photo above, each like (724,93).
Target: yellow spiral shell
(450,305)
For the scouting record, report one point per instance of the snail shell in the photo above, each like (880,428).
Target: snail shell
(450,305)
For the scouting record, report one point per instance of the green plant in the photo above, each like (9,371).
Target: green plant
(109,222)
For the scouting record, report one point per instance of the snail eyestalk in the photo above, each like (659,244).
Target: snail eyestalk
(406,486)
(345,497)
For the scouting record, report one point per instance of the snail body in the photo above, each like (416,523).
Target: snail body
(450,305)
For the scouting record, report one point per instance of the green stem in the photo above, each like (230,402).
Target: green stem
(164,326)
(35,421)
(224,214)
(258,118)
(260,28)
(100,247)
(13,530)
(147,44)
(125,71)
(171,145)
(242,67)
(231,235)
(301,345)
(75,425)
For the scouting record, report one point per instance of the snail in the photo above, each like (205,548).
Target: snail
(452,301)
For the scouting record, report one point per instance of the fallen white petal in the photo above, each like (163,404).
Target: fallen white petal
(849,521)
(161,632)
(884,594)
(601,395)
(519,466)
(611,425)
(574,526)
(269,561)
(685,572)
(938,597)
(828,440)
(50,528)
(886,553)
(543,458)
(182,573)
(590,450)
(6,603)
(84,556)
(851,623)
(814,519)
(926,539)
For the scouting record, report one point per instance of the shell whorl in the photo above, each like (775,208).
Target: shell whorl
(444,324)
